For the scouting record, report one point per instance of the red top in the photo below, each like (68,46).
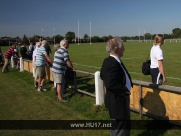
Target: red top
(9,52)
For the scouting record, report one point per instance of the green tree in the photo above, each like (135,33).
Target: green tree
(70,36)
(109,37)
(104,39)
(148,36)
(25,40)
(86,38)
(58,38)
(176,31)
(96,39)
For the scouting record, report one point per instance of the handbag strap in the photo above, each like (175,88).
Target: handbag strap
(148,56)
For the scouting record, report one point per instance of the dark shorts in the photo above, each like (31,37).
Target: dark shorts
(156,76)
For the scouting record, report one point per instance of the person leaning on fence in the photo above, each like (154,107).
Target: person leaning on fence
(118,85)
(61,59)
(34,58)
(157,65)
(48,49)
(41,57)
(23,51)
(30,50)
(7,57)
(56,47)
(16,60)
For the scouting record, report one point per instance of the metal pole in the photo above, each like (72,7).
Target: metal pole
(78,32)
(90,32)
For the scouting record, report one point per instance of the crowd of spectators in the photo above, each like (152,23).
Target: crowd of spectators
(39,54)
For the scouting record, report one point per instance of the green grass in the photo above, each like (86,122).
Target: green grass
(90,57)
(19,100)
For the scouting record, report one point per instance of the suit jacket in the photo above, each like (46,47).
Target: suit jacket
(114,79)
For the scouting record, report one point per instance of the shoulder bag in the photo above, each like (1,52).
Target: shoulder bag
(146,66)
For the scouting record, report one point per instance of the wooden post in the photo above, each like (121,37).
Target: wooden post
(141,101)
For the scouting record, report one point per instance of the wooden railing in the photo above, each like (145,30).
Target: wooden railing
(158,101)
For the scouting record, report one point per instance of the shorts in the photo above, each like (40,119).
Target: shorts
(58,78)
(156,76)
(40,71)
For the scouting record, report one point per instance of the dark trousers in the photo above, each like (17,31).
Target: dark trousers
(156,76)
(121,127)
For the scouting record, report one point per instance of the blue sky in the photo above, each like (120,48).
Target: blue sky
(107,17)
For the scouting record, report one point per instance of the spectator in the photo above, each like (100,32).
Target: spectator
(30,51)
(7,57)
(48,49)
(34,59)
(23,51)
(61,59)
(16,60)
(56,47)
(157,64)
(118,86)
(41,57)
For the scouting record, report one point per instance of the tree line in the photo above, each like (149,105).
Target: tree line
(71,37)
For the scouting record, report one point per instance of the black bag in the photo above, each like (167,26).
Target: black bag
(146,67)
(69,73)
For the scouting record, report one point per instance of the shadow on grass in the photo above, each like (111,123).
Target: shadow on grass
(86,83)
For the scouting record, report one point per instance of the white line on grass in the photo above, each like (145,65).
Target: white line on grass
(129,72)
(131,58)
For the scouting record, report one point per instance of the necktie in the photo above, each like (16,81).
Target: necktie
(127,73)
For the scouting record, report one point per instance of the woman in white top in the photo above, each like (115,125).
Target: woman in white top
(157,65)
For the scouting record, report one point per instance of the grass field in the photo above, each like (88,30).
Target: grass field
(90,57)
(19,100)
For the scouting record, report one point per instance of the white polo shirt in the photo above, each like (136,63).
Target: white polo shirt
(156,54)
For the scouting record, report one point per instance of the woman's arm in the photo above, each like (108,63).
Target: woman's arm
(161,68)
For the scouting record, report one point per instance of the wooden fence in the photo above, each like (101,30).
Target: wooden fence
(158,101)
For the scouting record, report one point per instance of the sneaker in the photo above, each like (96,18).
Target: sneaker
(39,89)
(42,89)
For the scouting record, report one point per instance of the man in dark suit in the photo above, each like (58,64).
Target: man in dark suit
(118,86)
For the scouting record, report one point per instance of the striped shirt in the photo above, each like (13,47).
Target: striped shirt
(40,56)
(9,52)
(59,62)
